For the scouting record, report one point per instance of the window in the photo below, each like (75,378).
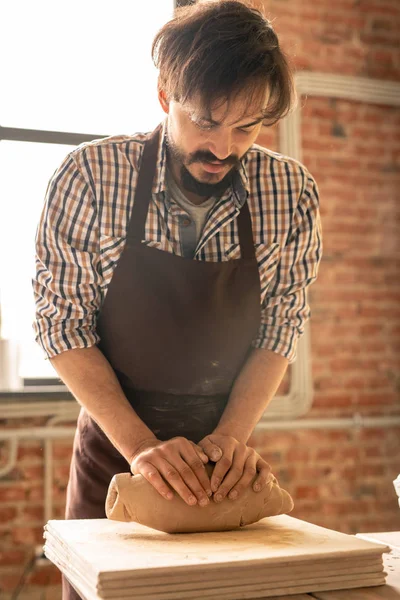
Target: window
(83,68)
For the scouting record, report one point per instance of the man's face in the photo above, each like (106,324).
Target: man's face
(204,149)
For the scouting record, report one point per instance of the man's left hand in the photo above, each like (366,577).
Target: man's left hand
(236,466)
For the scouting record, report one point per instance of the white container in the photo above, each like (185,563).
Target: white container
(396,484)
(9,363)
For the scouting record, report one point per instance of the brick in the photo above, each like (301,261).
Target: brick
(45,576)
(383,398)
(12,493)
(51,593)
(31,452)
(33,513)
(325,454)
(349,473)
(352,454)
(9,581)
(372,433)
(328,383)
(32,472)
(61,472)
(62,451)
(7,513)
(272,457)
(35,493)
(329,401)
(371,470)
(306,512)
(365,490)
(277,440)
(27,536)
(59,510)
(347,507)
(11,557)
(386,505)
(314,473)
(372,452)
(306,492)
(298,455)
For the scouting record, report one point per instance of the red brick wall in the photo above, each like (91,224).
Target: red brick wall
(339,478)
(343,478)
(22,515)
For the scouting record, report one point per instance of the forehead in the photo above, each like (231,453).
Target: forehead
(242,107)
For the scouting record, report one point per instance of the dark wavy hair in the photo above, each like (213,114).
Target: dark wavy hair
(216,49)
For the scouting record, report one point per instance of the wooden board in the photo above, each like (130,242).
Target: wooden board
(277,556)
(229,585)
(128,549)
(391,562)
(390,538)
(240,575)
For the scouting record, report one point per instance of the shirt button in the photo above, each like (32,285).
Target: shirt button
(186,222)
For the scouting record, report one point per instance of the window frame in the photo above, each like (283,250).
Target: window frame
(49,386)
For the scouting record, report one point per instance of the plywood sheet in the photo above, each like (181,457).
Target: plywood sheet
(390,591)
(241,575)
(223,584)
(390,538)
(278,556)
(108,547)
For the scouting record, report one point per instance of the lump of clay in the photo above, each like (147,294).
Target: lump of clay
(133,498)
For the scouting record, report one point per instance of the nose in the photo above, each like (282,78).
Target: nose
(221,145)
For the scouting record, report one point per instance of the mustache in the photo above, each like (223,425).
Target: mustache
(204,155)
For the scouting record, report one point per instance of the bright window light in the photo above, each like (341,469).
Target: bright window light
(81,67)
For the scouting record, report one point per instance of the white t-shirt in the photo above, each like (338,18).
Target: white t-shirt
(197,216)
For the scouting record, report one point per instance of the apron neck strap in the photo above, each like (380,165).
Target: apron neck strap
(144,186)
(246,233)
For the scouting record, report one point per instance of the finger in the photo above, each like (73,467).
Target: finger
(233,475)
(192,482)
(153,476)
(264,475)
(249,473)
(211,450)
(197,466)
(221,469)
(172,476)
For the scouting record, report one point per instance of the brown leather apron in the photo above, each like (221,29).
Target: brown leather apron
(176,332)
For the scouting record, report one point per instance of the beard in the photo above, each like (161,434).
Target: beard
(189,182)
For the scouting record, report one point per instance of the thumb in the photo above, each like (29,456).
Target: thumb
(200,452)
(213,451)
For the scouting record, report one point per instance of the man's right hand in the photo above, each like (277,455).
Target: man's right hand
(177,462)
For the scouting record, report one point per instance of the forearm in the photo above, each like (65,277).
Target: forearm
(252,391)
(90,378)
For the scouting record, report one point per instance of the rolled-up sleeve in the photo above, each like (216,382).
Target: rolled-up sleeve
(285,309)
(67,265)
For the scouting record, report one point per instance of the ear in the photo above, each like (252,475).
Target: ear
(163,100)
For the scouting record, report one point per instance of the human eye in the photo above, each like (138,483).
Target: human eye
(204,126)
(248,128)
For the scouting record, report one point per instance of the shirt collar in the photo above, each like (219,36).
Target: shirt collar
(160,180)
(241,188)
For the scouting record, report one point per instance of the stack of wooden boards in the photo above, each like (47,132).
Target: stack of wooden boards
(280,555)
(391,561)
